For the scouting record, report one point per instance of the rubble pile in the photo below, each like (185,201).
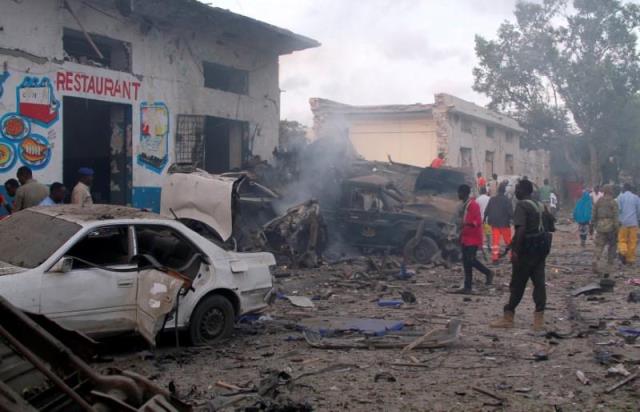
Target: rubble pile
(379,332)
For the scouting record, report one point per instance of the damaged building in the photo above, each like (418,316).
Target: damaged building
(130,87)
(471,136)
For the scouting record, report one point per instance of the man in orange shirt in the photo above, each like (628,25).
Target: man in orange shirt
(438,161)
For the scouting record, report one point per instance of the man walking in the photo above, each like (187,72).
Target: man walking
(31,192)
(483,201)
(81,195)
(57,192)
(530,247)
(545,192)
(605,221)
(582,216)
(494,185)
(498,215)
(629,211)
(471,239)
(480,182)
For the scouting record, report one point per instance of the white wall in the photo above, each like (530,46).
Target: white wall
(166,65)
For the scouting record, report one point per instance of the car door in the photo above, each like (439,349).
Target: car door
(93,297)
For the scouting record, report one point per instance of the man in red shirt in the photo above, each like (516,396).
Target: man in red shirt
(481,181)
(471,237)
(438,161)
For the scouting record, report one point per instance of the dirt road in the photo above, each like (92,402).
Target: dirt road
(485,369)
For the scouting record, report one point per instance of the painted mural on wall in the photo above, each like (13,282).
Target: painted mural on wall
(153,152)
(37,109)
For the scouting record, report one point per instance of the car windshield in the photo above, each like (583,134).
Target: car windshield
(28,238)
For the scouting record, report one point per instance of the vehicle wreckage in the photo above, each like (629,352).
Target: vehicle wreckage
(44,368)
(238,213)
(367,212)
(111,269)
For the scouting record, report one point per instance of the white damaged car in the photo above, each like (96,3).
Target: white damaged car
(109,269)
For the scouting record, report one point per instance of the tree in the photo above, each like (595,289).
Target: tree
(569,75)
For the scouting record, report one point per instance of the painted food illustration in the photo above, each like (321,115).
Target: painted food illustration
(15,127)
(34,150)
(7,156)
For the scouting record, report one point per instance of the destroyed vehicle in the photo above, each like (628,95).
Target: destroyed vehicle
(300,235)
(239,213)
(44,368)
(370,216)
(109,269)
(229,209)
(435,192)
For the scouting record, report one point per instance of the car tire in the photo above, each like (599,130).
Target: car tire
(211,321)
(426,251)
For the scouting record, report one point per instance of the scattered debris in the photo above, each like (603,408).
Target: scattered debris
(300,301)
(408,297)
(330,326)
(50,373)
(623,382)
(384,376)
(489,394)
(582,378)
(393,303)
(619,369)
(435,339)
(634,296)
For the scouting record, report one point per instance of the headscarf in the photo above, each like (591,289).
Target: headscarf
(582,212)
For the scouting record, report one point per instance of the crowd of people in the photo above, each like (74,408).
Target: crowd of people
(25,192)
(613,219)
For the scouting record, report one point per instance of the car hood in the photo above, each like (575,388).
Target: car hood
(8,269)
(200,196)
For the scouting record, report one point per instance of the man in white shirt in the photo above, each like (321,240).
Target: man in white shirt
(483,201)
(81,195)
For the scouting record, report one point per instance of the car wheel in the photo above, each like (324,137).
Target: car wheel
(211,321)
(426,251)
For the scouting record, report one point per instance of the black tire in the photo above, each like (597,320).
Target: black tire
(426,251)
(211,321)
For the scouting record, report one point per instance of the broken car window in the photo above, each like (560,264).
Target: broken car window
(105,246)
(29,238)
(167,247)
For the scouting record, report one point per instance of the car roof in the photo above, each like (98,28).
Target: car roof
(370,180)
(96,213)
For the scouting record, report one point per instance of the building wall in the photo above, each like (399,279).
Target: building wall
(166,80)
(479,142)
(409,139)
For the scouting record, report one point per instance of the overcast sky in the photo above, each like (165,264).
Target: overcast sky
(377,51)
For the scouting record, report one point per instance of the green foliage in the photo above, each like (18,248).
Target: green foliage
(566,73)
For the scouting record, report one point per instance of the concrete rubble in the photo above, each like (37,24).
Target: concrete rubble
(347,352)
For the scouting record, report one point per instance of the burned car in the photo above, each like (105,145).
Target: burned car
(110,269)
(369,215)
(239,213)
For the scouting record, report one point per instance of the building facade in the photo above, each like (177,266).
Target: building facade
(470,136)
(130,87)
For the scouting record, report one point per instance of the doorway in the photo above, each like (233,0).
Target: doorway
(97,134)
(223,146)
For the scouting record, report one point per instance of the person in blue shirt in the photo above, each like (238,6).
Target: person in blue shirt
(6,202)
(57,192)
(629,206)
(582,216)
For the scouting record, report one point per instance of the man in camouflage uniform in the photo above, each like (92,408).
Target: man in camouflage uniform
(605,221)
